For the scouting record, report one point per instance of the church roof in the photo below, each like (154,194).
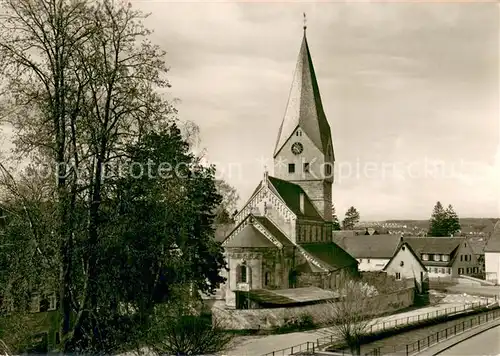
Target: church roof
(290,193)
(329,255)
(304,107)
(250,236)
(493,244)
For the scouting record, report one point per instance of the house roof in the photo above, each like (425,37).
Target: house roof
(304,107)
(369,246)
(493,244)
(434,245)
(290,193)
(477,245)
(408,246)
(330,255)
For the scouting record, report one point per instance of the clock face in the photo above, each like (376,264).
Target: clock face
(297,148)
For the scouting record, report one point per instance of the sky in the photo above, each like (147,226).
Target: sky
(411,92)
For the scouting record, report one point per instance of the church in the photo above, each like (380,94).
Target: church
(282,237)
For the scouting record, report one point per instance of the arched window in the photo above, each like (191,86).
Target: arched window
(267,278)
(242,274)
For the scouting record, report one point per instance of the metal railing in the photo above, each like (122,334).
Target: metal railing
(451,331)
(312,346)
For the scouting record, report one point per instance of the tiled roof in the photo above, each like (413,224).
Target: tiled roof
(249,237)
(290,193)
(330,255)
(477,245)
(494,240)
(369,246)
(273,229)
(304,107)
(408,246)
(434,245)
(291,296)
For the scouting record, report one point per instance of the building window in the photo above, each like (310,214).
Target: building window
(444,258)
(461,257)
(403,248)
(291,167)
(242,274)
(442,270)
(425,257)
(328,169)
(367,260)
(476,269)
(398,275)
(298,133)
(267,278)
(437,257)
(449,270)
(401,263)
(460,271)
(306,167)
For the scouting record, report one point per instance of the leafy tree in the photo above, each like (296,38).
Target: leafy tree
(452,221)
(351,219)
(229,201)
(110,233)
(335,220)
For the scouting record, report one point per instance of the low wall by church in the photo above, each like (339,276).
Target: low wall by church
(255,319)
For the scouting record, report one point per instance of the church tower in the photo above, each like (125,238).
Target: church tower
(304,149)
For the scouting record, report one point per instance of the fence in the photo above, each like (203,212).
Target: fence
(458,328)
(312,346)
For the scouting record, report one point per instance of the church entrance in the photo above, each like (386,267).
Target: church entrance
(242,300)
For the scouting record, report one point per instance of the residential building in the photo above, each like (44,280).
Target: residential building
(405,264)
(371,251)
(283,234)
(445,257)
(492,256)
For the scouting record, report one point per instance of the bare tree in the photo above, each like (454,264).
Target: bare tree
(351,315)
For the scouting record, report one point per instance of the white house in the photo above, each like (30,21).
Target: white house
(406,265)
(492,255)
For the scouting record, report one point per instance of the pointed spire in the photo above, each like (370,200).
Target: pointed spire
(305,23)
(304,107)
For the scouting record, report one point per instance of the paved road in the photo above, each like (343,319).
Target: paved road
(260,345)
(486,343)
(490,291)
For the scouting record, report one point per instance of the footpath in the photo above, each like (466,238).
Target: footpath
(261,345)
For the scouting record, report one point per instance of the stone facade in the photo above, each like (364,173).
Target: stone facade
(266,268)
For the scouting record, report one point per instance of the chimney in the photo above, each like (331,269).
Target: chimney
(302,203)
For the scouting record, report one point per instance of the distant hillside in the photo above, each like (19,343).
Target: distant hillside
(468,224)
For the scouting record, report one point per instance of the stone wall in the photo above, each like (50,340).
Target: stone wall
(254,319)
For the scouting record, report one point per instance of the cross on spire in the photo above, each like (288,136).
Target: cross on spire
(305,22)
